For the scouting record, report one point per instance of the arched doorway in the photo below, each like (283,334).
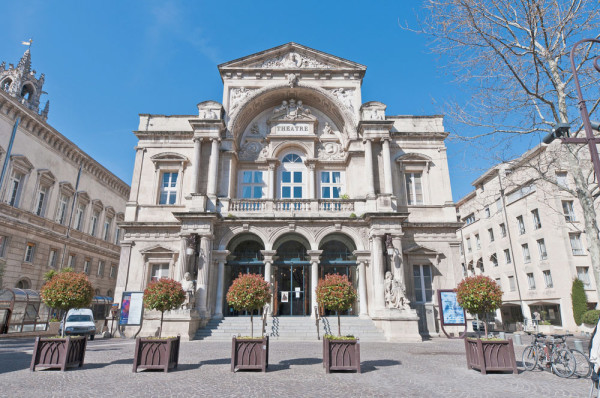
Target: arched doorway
(291,282)
(245,258)
(337,258)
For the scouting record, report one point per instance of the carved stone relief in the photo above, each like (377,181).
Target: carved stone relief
(292,110)
(330,151)
(250,150)
(237,95)
(344,96)
(293,60)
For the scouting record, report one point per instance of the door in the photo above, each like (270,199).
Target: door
(292,290)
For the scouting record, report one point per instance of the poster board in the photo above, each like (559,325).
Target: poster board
(451,313)
(132,308)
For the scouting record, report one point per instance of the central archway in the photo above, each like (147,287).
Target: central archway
(291,277)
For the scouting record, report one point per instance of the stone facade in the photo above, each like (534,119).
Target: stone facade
(527,233)
(293,177)
(52,215)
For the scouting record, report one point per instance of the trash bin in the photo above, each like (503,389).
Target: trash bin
(517,339)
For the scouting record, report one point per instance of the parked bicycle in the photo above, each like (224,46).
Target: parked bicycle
(549,352)
(583,367)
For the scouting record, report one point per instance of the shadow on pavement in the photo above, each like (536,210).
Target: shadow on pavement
(220,361)
(14,361)
(370,366)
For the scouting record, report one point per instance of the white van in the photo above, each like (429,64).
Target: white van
(80,322)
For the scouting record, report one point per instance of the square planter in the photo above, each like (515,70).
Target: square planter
(58,353)
(341,355)
(250,354)
(153,353)
(491,355)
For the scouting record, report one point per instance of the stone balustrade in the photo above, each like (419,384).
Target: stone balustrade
(293,205)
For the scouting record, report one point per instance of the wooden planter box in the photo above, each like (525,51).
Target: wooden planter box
(152,353)
(491,355)
(341,355)
(58,352)
(250,354)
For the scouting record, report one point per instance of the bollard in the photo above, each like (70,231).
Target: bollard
(502,335)
(517,339)
(578,345)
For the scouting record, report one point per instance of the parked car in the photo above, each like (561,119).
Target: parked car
(80,322)
(478,326)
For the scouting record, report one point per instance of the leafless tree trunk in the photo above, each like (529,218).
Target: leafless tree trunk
(514,57)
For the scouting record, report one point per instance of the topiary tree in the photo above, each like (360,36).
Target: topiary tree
(163,295)
(66,290)
(249,292)
(479,295)
(336,293)
(578,300)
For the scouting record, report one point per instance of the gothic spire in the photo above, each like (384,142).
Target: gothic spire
(25,62)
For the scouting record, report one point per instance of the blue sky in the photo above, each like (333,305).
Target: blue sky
(106,62)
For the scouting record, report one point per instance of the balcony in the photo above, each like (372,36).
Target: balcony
(309,207)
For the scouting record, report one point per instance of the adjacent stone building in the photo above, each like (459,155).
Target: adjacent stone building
(293,177)
(527,233)
(58,206)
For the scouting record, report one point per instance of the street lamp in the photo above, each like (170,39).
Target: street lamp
(562,130)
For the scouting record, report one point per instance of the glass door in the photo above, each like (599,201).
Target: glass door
(292,288)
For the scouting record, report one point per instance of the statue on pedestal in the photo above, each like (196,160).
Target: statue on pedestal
(395,293)
(188,287)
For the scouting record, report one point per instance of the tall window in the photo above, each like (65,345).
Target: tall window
(100,268)
(548,278)
(568,210)
(499,282)
(521,225)
(526,254)
(52,258)
(40,201)
(422,283)
(477,241)
(491,234)
(494,260)
(537,223)
(94,222)
(107,225)
(168,188)
(503,230)
(71,263)
(470,219)
(79,217)
(331,184)
(15,186)
(61,212)
(469,249)
(113,271)
(487,212)
(414,188)
(117,235)
(511,283)
(252,185)
(542,249)
(3,245)
(584,276)
(507,256)
(561,178)
(576,244)
(159,271)
(86,266)
(29,252)
(531,281)
(292,177)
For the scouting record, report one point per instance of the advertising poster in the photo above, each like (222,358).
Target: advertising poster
(131,309)
(285,297)
(452,312)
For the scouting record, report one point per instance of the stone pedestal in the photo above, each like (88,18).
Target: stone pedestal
(177,322)
(399,326)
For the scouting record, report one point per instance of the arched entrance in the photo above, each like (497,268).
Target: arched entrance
(291,282)
(245,258)
(337,258)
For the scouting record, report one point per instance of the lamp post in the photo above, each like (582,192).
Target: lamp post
(562,130)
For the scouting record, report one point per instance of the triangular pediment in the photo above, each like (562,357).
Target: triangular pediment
(418,249)
(157,249)
(291,56)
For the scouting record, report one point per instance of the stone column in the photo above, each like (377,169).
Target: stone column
(311,181)
(204,258)
(271,188)
(196,165)
(378,273)
(181,268)
(123,274)
(268,259)
(362,258)
(213,168)
(387,167)
(314,279)
(369,168)
(220,257)
(398,261)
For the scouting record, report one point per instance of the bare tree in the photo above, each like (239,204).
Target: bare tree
(514,56)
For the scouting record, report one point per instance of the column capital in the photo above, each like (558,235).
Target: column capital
(198,139)
(213,139)
(220,256)
(269,255)
(314,255)
(362,256)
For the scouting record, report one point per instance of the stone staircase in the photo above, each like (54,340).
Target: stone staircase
(289,328)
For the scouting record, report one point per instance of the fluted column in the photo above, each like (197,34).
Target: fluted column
(268,259)
(181,268)
(362,287)
(204,258)
(387,167)
(311,166)
(369,168)
(378,273)
(314,278)
(271,175)
(213,168)
(220,258)
(196,165)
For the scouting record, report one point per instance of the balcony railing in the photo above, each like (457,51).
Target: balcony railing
(292,205)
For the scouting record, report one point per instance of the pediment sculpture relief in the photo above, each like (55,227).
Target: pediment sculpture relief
(291,110)
(252,150)
(344,96)
(293,60)
(237,96)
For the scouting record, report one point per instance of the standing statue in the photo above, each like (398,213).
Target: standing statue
(395,293)
(188,287)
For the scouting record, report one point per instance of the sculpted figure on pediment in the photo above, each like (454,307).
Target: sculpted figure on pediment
(293,60)
(237,96)
(292,109)
(250,150)
(344,96)
(330,151)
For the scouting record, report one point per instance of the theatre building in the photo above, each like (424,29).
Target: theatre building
(293,177)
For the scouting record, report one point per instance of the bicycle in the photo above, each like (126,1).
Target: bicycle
(583,366)
(560,360)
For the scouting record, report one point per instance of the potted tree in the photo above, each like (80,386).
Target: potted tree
(63,291)
(249,292)
(481,295)
(336,293)
(158,352)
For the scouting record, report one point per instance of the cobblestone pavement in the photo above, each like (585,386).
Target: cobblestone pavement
(432,368)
